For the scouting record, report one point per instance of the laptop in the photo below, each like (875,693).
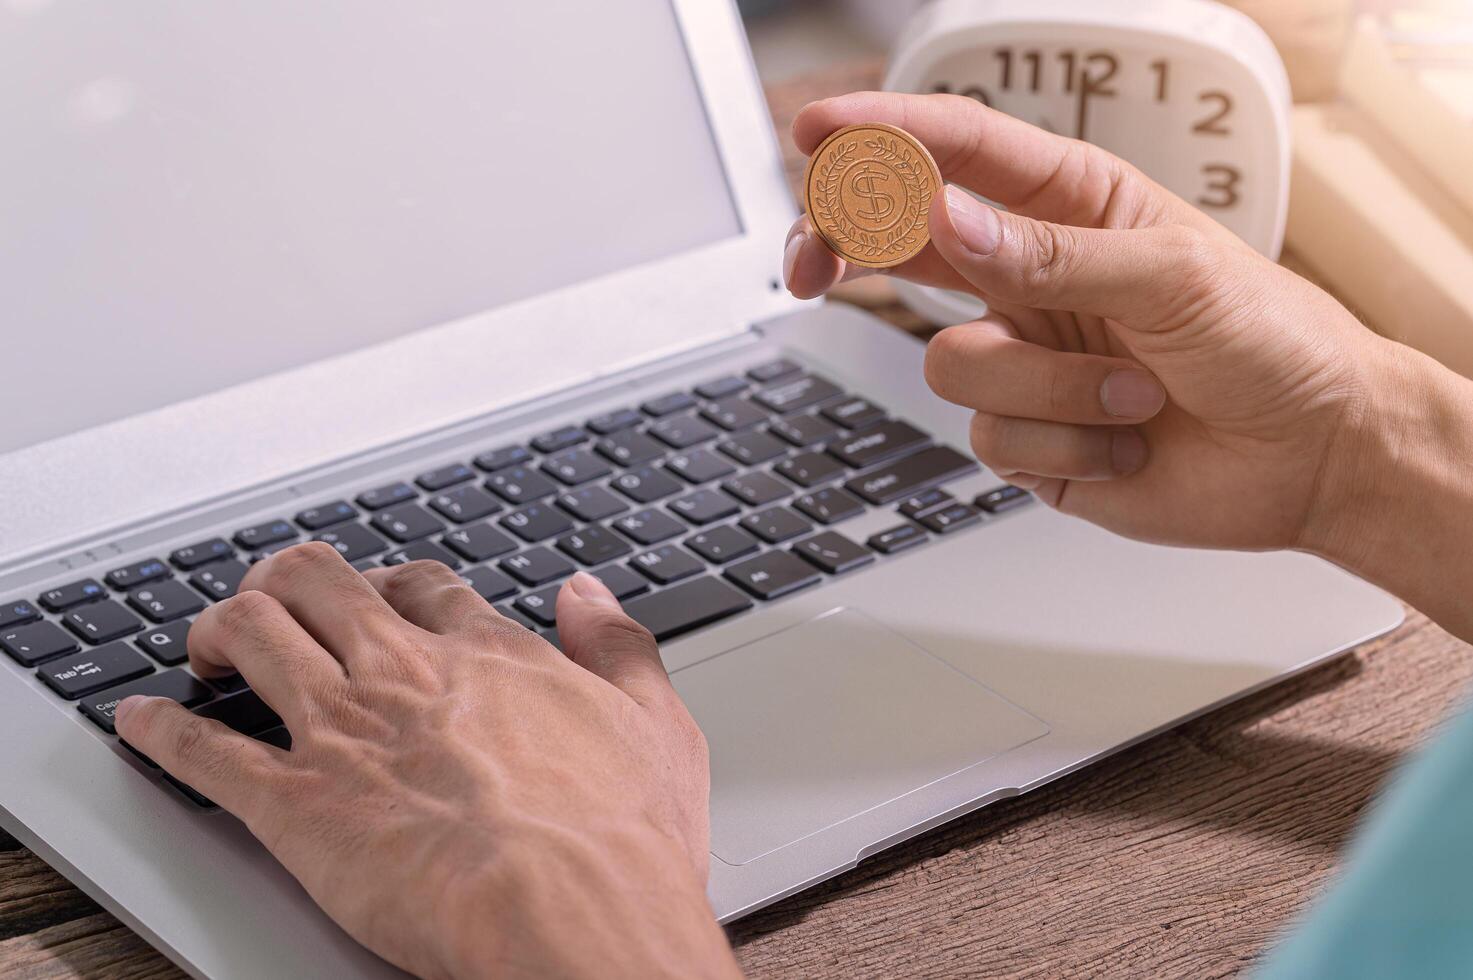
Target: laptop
(500,286)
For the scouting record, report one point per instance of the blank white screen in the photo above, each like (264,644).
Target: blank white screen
(194,194)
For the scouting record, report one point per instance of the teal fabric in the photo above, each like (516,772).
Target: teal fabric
(1403,906)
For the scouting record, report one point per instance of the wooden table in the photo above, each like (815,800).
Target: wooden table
(1183,856)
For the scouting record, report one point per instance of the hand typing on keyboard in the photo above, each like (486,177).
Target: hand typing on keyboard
(459,795)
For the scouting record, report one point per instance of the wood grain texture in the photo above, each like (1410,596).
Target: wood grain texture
(1180,857)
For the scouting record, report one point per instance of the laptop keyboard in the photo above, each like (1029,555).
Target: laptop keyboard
(692,507)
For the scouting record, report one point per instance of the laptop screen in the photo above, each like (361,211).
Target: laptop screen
(194,194)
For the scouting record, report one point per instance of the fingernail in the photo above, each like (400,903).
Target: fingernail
(790,255)
(1024,481)
(125,707)
(588,587)
(1132,394)
(1127,451)
(976,224)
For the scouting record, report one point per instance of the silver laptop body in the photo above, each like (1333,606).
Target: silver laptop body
(255,257)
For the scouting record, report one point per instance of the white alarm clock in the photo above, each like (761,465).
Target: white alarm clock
(1190,91)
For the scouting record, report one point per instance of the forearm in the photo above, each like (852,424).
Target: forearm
(1397,509)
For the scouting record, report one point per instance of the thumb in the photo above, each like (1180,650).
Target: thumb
(1146,278)
(600,637)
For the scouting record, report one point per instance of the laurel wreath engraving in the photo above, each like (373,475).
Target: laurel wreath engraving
(904,236)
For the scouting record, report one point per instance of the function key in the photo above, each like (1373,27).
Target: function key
(195,555)
(772,370)
(897,538)
(833,552)
(924,502)
(721,387)
(421,551)
(72,594)
(951,518)
(90,671)
(407,522)
(789,396)
(272,549)
(36,642)
(609,422)
(269,533)
(773,574)
(163,601)
(167,644)
(445,476)
(666,404)
(1001,499)
(173,684)
(317,518)
(384,496)
(99,622)
(500,459)
(853,413)
(803,430)
(734,413)
(220,580)
(17,611)
(353,541)
(134,575)
(559,439)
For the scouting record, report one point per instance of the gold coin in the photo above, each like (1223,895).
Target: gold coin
(868,191)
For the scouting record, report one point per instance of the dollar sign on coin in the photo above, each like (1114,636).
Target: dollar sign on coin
(868,191)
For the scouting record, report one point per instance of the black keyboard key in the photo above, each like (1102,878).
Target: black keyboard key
(537,566)
(790,396)
(17,611)
(924,502)
(593,545)
(266,533)
(756,489)
(897,538)
(646,483)
(591,503)
(775,524)
(772,574)
(228,683)
(664,405)
(220,580)
(667,564)
(317,518)
(559,439)
(833,553)
(619,580)
(575,467)
(537,522)
(853,413)
(189,792)
(624,418)
(520,485)
(278,737)
(751,448)
(478,542)
(683,431)
(488,583)
(772,370)
(168,644)
(721,387)
(878,444)
(699,466)
(517,616)
(80,674)
(386,495)
(421,551)
(630,448)
(953,517)
(64,597)
(734,414)
(269,550)
(722,544)
(829,505)
(353,541)
(165,601)
(464,504)
(244,712)
(406,522)
(704,506)
(539,606)
(687,606)
(99,622)
(175,684)
(804,430)
(445,476)
(648,526)
(134,575)
(911,474)
(500,459)
(809,469)
(36,643)
(1002,498)
(193,556)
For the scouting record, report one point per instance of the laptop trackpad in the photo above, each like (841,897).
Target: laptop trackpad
(829,718)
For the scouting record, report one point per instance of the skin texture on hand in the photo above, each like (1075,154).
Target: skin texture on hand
(460,796)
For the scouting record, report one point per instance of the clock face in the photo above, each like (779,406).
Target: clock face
(1196,123)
